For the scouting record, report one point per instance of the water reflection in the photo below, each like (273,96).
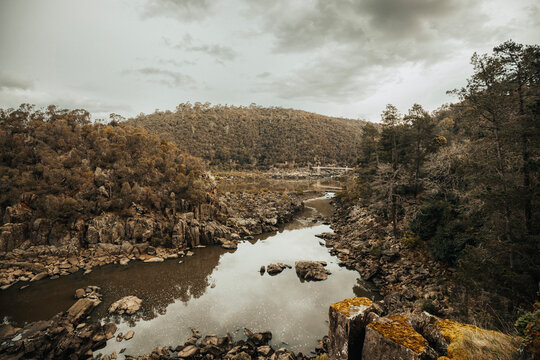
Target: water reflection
(215,291)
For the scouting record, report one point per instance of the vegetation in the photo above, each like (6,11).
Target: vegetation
(254,135)
(463,182)
(59,166)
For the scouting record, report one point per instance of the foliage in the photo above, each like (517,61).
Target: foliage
(465,178)
(63,168)
(255,135)
(528,326)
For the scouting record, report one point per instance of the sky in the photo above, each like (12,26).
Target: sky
(346,58)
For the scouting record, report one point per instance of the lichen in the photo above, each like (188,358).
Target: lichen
(465,341)
(397,329)
(344,306)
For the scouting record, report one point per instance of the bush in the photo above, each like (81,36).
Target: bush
(528,326)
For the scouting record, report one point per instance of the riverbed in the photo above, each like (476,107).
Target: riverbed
(215,291)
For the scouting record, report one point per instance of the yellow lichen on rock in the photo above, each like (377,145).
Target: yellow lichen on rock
(468,342)
(344,306)
(401,332)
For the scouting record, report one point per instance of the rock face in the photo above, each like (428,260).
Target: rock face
(348,320)
(392,338)
(126,305)
(274,269)
(358,332)
(311,270)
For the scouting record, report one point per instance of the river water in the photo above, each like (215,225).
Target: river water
(215,291)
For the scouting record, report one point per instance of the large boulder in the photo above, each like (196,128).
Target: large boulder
(393,337)
(126,305)
(348,319)
(80,309)
(311,270)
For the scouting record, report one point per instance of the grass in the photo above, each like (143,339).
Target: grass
(470,342)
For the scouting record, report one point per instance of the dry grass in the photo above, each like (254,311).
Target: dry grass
(468,342)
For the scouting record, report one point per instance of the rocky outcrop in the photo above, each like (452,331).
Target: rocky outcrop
(311,270)
(127,305)
(144,236)
(274,269)
(62,337)
(347,323)
(362,329)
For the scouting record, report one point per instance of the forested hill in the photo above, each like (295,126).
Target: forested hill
(256,135)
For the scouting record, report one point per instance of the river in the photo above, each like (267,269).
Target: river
(215,291)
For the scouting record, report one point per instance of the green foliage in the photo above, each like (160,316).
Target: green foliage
(254,135)
(528,326)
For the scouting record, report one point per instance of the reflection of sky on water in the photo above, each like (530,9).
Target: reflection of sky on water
(295,312)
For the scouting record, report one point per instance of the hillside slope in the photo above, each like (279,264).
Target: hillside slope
(256,135)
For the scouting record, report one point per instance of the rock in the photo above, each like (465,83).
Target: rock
(188,351)
(393,337)
(80,293)
(126,305)
(264,350)
(260,338)
(40,276)
(6,331)
(348,319)
(262,269)
(119,337)
(274,269)
(311,270)
(109,330)
(80,309)
(129,335)
(154,260)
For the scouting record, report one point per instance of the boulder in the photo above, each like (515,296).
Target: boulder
(311,270)
(348,319)
(274,269)
(129,335)
(188,351)
(80,309)
(126,305)
(393,337)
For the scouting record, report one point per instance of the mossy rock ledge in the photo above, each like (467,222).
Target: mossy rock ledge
(357,331)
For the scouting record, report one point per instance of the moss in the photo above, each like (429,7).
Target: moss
(469,342)
(397,329)
(344,306)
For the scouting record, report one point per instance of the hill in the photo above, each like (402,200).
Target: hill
(256,135)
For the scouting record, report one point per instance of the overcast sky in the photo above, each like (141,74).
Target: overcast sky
(336,57)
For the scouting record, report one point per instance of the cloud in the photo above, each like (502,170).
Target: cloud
(348,47)
(186,10)
(10,81)
(263,75)
(163,76)
(218,52)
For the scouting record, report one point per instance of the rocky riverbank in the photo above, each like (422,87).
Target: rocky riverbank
(32,255)
(408,279)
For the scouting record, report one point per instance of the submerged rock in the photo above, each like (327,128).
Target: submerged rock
(126,305)
(311,270)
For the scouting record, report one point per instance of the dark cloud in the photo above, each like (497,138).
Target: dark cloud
(186,10)
(13,82)
(163,76)
(220,53)
(263,75)
(356,44)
